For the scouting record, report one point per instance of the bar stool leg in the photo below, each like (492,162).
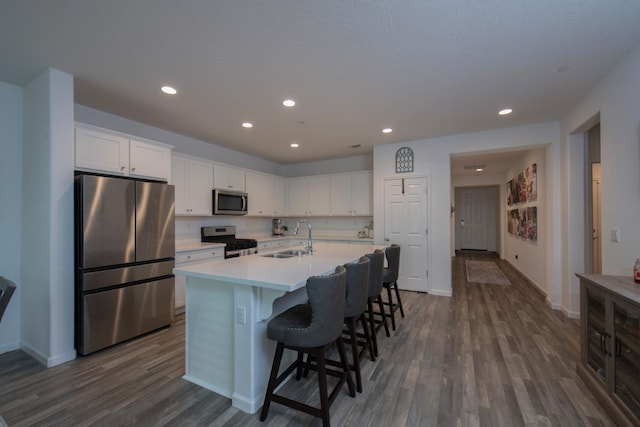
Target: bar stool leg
(345,367)
(392,308)
(367,337)
(277,358)
(372,324)
(395,285)
(322,382)
(384,316)
(351,325)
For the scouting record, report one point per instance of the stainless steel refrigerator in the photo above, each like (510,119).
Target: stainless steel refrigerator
(125,249)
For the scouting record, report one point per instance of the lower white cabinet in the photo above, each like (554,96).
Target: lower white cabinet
(191,257)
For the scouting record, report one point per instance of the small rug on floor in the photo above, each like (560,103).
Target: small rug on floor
(485,272)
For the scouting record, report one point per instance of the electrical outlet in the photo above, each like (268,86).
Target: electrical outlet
(241,315)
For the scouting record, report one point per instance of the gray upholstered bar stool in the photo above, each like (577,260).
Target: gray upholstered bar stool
(312,329)
(376,270)
(7,287)
(354,310)
(390,280)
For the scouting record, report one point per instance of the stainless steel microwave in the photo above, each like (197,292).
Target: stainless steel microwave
(228,202)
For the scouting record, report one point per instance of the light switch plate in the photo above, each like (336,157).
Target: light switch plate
(241,315)
(615,235)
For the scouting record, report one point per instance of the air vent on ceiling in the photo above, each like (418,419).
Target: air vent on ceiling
(474,167)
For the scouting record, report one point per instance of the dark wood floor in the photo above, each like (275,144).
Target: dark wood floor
(490,356)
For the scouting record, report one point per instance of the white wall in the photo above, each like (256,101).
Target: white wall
(348,164)
(10,209)
(432,157)
(616,99)
(47,219)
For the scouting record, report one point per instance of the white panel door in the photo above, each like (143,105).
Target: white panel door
(405,224)
(473,219)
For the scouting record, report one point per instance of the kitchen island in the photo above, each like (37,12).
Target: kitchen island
(229,303)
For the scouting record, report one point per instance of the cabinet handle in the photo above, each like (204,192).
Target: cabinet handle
(618,347)
(603,340)
(133,169)
(188,256)
(121,168)
(213,253)
(229,186)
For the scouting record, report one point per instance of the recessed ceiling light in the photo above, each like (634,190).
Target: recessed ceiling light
(387,130)
(169,90)
(247,125)
(288,102)
(295,145)
(505,111)
(479,170)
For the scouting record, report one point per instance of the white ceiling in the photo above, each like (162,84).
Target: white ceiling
(424,68)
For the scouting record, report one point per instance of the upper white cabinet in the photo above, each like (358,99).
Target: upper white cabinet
(279,196)
(260,193)
(228,178)
(103,151)
(193,180)
(351,194)
(310,196)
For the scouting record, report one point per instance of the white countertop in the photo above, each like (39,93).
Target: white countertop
(195,245)
(303,236)
(286,274)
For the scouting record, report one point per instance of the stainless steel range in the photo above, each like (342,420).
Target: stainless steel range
(227,234)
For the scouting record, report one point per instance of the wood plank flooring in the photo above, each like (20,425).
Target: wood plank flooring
(491,355)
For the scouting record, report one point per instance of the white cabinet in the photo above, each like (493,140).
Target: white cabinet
(351,194)
(260,194)
(149,160)
(103,151)
(228,178)
(193,180)
(310,196)
(298,197)
(191,257)
(279,196)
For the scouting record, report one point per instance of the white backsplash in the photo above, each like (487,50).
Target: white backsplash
(188,228)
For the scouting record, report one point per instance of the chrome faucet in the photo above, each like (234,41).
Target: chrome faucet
(309,247)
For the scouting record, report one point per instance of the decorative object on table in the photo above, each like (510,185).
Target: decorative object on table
(485,272)
(404,160)
(636,271)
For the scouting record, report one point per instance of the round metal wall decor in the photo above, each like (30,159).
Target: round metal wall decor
(404,160)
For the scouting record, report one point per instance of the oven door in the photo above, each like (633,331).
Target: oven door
(227,202)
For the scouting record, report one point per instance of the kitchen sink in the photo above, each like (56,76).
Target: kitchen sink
(289,253)
(294,252)
(277,255)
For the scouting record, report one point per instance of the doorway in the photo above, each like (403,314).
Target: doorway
(476,218)
(593,233)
